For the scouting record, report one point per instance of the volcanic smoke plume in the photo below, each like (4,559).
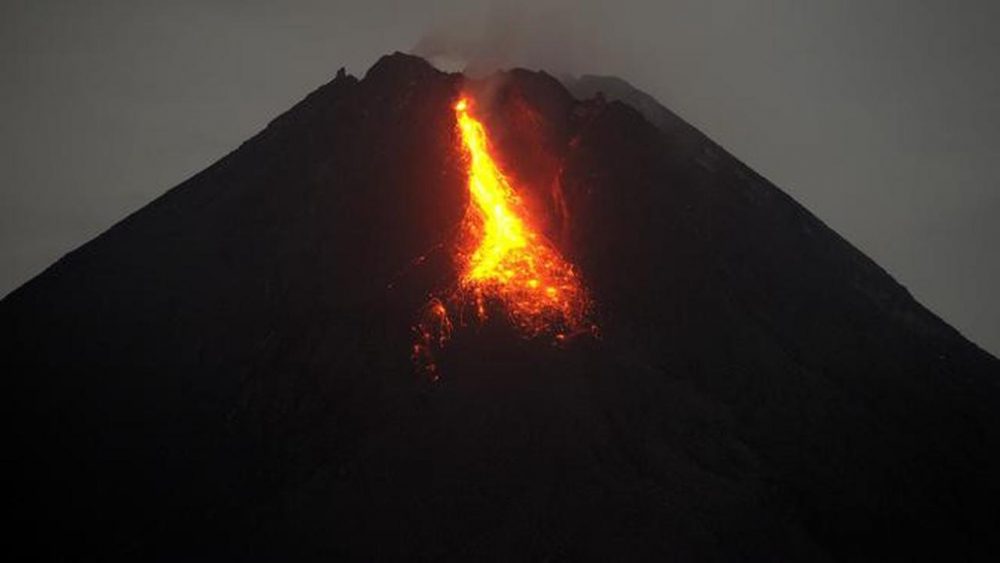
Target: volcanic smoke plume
(226,374)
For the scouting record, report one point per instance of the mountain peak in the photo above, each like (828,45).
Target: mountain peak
(400,65)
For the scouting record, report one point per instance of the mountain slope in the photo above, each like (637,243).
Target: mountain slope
(225,373)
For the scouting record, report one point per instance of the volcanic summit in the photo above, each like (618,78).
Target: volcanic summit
(665,358)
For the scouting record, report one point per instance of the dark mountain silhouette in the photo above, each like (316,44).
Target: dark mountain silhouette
(225,374)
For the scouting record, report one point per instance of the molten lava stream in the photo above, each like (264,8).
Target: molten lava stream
(502,259)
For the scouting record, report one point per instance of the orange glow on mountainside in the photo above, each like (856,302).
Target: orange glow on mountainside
(502,259)
(511,262)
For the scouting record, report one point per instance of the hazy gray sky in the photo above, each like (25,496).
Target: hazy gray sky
(882,117)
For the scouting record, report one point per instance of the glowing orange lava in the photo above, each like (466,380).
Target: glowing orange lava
(502,259)
(509,260)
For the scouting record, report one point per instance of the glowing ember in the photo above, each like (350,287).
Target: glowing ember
(502,258)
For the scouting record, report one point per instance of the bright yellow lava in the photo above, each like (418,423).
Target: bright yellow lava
(510,262)
(503,262)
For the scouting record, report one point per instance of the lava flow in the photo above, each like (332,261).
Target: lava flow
(502,259)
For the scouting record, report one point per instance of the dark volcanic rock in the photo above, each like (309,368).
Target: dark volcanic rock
(225,374)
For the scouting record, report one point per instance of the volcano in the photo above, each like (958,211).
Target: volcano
(227,373)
